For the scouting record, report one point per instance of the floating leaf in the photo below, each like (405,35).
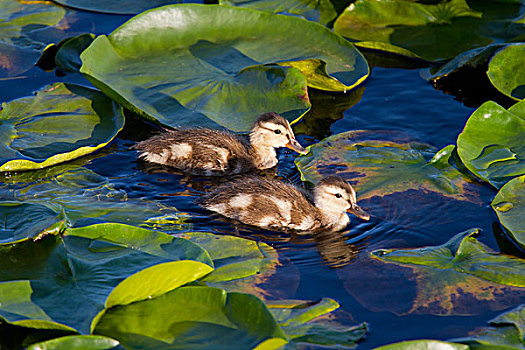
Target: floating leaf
(71,279)
(507,333)
(321,11)
(123,7)
(18,53)
(62,122)
(508,205)
(69,50)
(491,144)
(379,167)
(506,71)
(81,342)
(191,317)
(28,222)
(450,278)
(432,31)
(218,62)
(423,345)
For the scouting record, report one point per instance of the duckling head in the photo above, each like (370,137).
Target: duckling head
(334,196)
(273,131)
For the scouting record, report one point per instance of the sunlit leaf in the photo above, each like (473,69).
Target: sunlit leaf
(321,11)
(124,7)
(191,317)
(491,144)
(506,71)
(435,31)
(80,342)
(378,167)
(509,206)
(219,62)
(423,345)
(62,122)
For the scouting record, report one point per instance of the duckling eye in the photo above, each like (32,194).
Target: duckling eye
(277,131)
(339,195)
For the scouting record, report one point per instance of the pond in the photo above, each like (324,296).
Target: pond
(394,108)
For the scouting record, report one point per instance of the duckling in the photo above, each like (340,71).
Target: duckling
(214,152)
(275,205)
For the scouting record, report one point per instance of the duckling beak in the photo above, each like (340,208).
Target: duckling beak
(359,212)
(296,146)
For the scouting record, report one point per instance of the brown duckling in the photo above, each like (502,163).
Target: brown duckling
(214,152)
(275,205)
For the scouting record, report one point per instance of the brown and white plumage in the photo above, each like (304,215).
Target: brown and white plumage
(214,152)
(276,205)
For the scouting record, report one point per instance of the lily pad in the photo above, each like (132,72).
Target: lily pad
(219,62)
(431,31)
(506,71)
(68,51)
(28,222)
(18,53)
(491,144)
(71,279)
(191,317)
(321,11)
(378,166)
(80,342)
(508,205)
(62,122)
(123,7)
(507,332)
(423,345)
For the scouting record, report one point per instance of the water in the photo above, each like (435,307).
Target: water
(329,265)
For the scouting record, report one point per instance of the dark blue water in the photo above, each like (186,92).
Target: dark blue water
(335,265)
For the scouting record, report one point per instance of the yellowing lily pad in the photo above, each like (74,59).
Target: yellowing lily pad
(491,144)
(509,206)
(377,166)
(62,122)
(218,65)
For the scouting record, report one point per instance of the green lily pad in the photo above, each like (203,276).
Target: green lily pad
(433,31)
(491,144)
(191,317)
(321,11)
(507,332)
(89,198)
(80,342)
(508,205)
(506,71)
(28,222)
(71,279)
(123,7)
(423,345)
(219,62)
(62,122)
(377,166)
(18,53)
(68,55)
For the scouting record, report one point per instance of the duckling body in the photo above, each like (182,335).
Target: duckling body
(214,152)
(275,205)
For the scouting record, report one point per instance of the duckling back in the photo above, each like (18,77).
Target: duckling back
(264,203)
(199,151)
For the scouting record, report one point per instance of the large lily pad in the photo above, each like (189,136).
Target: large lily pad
(28,222)
(508,205)
(89,198)
(378,166)
(507,332)
(124,7)
(70,280)
(506,71)
(321,11)
(18,53)
(218,62)
(435,31)
(491,144)
(62,122)
(191,318)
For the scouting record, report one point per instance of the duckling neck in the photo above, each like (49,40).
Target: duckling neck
(336,220)
(264,156)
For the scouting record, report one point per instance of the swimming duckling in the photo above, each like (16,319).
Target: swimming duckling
(275,205)
(214,152)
